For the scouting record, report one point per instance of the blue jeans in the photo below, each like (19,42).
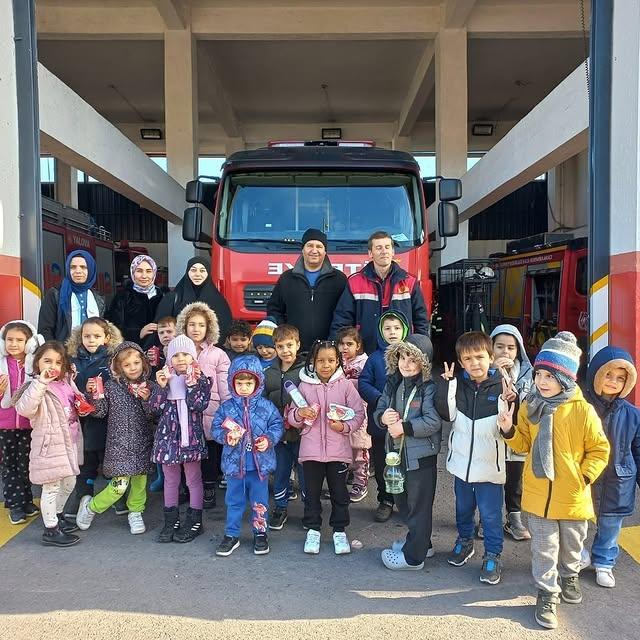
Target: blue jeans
(488,498)
(286,457)
(239,491)
(605,549)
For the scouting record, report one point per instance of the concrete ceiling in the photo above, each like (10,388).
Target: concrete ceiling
(278,80)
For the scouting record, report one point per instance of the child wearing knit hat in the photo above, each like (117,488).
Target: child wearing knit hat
(262,340)
(567,450)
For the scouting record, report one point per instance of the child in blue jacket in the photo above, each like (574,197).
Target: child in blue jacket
(249,427)
(611,377)
(392,329)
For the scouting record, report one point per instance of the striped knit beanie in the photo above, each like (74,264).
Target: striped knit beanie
(263,333)
(560,356)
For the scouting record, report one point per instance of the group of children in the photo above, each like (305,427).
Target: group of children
(521,435)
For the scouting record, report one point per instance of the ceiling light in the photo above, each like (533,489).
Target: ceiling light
(482,129)
(151,134)
(332,134)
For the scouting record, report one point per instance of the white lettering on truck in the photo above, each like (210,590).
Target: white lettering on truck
(278,268)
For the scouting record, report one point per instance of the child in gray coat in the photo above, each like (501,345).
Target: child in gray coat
(414,430)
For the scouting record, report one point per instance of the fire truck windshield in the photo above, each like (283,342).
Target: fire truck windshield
(277,208)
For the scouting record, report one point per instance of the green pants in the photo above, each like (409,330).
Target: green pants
(116,489)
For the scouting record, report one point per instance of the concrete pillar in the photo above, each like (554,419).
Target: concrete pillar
(451,124)
(66,184)
(181,130)
(624,281)
(568,193)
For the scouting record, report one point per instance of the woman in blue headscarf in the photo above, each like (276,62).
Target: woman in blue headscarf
(133,310)
(66,307)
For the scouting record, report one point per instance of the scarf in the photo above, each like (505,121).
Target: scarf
(540,411)
(178,392)
(69,287)
(150,291)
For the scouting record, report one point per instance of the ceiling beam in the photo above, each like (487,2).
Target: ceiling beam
(457,12)
(419,90)
(172,12)
(218,99)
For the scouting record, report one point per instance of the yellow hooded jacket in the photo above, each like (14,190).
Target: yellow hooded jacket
(580,449)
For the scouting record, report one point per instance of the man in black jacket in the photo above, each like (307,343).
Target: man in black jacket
(306,295)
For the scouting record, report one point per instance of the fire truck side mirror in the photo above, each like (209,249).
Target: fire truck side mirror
(448,224)
(450,189)
(194,192)
(192,226)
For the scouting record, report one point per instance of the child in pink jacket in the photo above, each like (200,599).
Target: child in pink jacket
(56,439)
(353,359)
(200,323)
(325,448)
(18,343)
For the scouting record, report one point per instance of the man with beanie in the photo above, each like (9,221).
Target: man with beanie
(567,450)
(381,285)
(262,340)
(306,295)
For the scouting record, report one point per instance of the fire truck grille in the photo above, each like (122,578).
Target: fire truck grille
(256,296)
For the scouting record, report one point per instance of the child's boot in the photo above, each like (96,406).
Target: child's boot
(171,524)
(192,526)
(209,495)
(55,537)
(515,527)
(546,606)
(158,484)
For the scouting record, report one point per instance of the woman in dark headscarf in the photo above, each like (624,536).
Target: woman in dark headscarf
(133,310)
(196,286)
(66,307)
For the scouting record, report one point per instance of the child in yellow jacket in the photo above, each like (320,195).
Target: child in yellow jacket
(567,450)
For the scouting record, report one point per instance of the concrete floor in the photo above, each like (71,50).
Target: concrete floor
(114,585)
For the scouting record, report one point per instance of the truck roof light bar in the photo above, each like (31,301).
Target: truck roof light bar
(321,143)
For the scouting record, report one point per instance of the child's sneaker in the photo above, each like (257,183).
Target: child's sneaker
(357,493)
(491,568)
(30,510)
(228,545)
(17,515)
(278,518)
(341,543)
(571,592)
(546,605)
(85,516)
(136,523)
(605,577)
(312,542)
(515,527)
(383,512)
(260,544)
(461,552)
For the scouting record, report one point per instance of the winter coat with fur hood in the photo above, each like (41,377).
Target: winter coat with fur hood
(319,442)
(17,373)
(421,423)
(129,424)
(55,452)
(259,416)
(91,365)
(213,361)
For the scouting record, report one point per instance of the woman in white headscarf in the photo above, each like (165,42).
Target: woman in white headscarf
(133,310)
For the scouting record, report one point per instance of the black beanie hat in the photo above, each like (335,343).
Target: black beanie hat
(314,234)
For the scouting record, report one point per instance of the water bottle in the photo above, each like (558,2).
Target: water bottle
(393,474)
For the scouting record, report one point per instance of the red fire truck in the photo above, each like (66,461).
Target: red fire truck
(542,288)
(266,199)
(65,229)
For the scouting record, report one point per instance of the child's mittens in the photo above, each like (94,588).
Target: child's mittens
(261,443)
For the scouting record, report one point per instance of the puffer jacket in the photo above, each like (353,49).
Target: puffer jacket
(274,379)
(580,450)
(521,373)
(54,454)
(360,439)
(259,416)
(477,452)
(374,375)
(129,425)
(615,489)
(421,423)
(319,442)
(91,365)
(213,361)
(365,296)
